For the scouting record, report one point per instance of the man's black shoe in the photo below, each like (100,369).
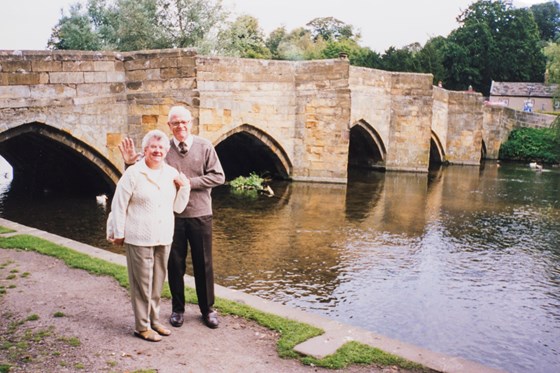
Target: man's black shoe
(176,319)
(211,319)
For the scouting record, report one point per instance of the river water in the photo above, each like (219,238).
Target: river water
(463,261)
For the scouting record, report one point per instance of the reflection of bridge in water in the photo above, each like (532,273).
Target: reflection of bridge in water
(64,112)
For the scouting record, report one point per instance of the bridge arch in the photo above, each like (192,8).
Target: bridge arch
(437,153)
(247,148)
(48,158)
(366,147)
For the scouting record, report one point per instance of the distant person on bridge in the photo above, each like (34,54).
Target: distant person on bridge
(142,220)
(198,160)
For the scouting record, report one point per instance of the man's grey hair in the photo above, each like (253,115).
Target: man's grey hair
(177,110)
(155,135)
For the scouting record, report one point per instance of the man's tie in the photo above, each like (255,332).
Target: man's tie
(183,148)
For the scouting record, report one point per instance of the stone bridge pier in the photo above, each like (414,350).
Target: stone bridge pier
(63,113)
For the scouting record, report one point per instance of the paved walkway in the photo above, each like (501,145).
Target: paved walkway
(336,333)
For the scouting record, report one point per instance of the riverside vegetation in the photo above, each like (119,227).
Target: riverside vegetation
(533,145)
(291,333)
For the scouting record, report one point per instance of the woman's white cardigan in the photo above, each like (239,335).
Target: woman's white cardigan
(143,205)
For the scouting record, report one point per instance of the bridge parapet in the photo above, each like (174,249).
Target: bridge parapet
(301,111)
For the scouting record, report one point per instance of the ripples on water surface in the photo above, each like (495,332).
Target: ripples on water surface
(465,261)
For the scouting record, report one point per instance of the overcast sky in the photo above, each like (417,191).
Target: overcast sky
(27,24)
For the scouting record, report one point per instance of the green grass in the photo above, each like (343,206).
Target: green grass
(32,317)
(71,341)
(6,230)
(59,314)
(291,332)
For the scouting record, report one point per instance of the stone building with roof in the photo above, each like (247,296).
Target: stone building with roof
(526,96)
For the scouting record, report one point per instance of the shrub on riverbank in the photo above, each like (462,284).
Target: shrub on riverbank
(533,145)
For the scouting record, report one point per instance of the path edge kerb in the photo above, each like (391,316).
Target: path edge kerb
(336,333)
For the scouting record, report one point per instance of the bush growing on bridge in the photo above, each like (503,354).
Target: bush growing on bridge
(533,145)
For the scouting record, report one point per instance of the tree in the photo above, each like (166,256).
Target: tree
(331,29)
(137,26)
(469,57)
(244,38)
(552,53)
(188,22)
(274,39)
(398,60)
(430,58)
(494,42)
(74,31)
(299,45)
(104,18)
(547,17)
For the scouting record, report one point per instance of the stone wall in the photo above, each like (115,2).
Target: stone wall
(398,106)
(257,96)
(322,121)
(155,81)
(408,148)
(464,128)
(81,93)
(371,99)
(301,110)
(457,124)
(440,120)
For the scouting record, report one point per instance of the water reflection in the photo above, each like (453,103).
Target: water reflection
(464,260)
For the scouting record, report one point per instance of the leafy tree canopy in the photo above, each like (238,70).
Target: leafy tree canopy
(244,38)
(331,29)
(547,17)
(137,24)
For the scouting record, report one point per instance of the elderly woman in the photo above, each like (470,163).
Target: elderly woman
(142,219)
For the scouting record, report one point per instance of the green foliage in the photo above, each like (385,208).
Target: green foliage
(244,38)
(495,42)
(127,25)
(532,145)
(188,23)
(274,39)
(430,58)
(251,182)
(552,53)
(299,45)
(398,60)
(32,317)
(75,32)
(547,18)
(331,29)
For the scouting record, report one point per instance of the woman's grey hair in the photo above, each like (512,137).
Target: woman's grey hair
(155,135)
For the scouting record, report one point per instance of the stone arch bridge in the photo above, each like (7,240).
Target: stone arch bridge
(63,113)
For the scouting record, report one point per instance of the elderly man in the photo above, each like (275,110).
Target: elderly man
(197,159)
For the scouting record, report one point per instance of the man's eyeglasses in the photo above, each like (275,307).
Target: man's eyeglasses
(179,123)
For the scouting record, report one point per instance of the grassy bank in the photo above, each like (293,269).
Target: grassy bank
(291,332)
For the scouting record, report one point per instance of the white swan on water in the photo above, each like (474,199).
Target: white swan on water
(535,166)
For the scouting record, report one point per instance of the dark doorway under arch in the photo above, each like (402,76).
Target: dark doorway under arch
(47,160)
(243,153)
(364,152)
(435,156)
